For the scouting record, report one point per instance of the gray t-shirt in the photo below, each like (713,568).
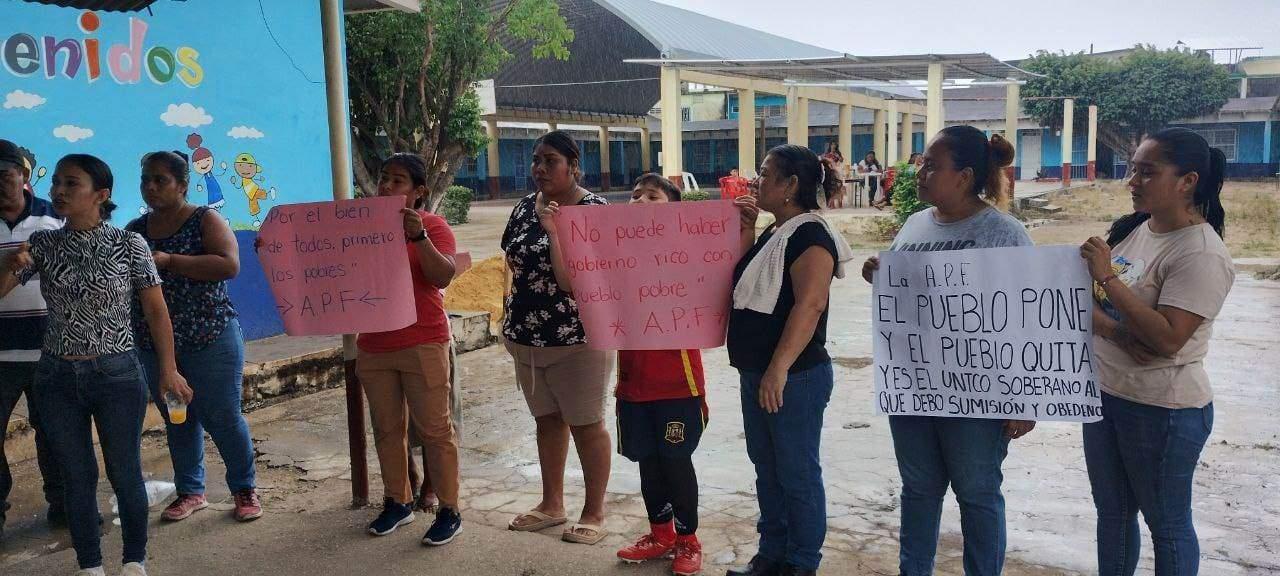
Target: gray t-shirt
(989,228)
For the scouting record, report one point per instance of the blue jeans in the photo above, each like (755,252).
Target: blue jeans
(784,449)
(1142,458)
(16,380)
(107,391)
(965,453)
(215,376)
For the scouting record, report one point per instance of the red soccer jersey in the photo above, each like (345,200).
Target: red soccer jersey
(648,375)
(432,325)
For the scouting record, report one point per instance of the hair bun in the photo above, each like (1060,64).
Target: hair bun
(1001,151)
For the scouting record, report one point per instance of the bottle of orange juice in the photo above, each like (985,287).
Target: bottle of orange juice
(177,408)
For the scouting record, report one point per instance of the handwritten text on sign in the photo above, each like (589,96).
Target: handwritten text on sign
(1000,333)
(652,276)
(338,267)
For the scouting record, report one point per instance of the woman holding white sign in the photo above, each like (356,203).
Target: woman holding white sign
(962,177)
(1162,276)
(564,382)
(777,341)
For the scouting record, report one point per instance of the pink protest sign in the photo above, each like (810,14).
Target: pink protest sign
(338,267)
(652,276)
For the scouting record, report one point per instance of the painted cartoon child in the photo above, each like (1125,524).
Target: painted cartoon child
(248,178)
(202,163)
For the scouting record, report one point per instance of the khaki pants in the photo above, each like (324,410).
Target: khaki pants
(416,378)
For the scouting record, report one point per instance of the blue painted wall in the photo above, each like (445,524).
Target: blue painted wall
(246,76)
(761,100)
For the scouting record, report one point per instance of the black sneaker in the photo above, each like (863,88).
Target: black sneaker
(393,516)
(447,526)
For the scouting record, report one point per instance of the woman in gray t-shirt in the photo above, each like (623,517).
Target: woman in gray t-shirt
(963,177)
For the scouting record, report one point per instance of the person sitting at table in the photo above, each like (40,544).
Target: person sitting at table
(869,165)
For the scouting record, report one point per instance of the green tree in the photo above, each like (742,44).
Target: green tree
(411,75)
(1136,95)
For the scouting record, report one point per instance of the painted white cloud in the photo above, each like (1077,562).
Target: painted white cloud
(186,115)
(20,99)
(72,133)
(245,132)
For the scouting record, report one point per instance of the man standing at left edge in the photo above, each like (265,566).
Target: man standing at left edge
(22,325)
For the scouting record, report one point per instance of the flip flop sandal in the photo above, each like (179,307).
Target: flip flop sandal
(541,521)
(584,534)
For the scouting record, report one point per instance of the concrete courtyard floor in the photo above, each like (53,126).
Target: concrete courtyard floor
(310,528)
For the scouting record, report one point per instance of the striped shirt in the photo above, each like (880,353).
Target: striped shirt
(23,311)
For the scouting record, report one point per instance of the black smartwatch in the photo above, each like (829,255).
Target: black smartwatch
(420,237)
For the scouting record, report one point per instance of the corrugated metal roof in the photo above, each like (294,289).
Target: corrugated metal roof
(107,5)
(680,33)
(846,67)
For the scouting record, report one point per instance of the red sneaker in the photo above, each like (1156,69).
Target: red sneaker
(248,506)
(658,543)
(184,507)
(688,556)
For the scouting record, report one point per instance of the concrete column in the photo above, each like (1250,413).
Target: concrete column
(604,159)
(891,141)
(672,139)
(1091,147)
(878,135)
(1244,87)
(1012,109)
(747,133)
(1068,119)
(934,122)
(1266,143)
(904,135)
(492,161)
(646,151)
(797,118)
(844,133)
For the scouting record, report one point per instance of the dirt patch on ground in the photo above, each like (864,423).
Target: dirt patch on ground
(1253,216)
(479,288)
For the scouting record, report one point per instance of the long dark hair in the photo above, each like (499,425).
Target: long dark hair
(1189,152)
(970,148)
(813,175)
(99,177)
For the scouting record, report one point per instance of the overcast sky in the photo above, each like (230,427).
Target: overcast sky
(1007,29)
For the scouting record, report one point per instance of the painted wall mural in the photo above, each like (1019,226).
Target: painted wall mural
(236,85)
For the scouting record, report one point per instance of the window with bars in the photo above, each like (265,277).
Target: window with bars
(685,114)
(773,111)
(1221,138)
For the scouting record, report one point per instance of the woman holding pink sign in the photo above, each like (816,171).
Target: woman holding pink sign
(564,382)
(410,367)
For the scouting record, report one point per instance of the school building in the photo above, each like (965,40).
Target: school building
(609,90)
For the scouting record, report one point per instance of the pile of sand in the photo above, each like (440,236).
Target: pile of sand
(479,288)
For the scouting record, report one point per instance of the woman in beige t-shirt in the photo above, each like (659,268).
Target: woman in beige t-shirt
(1161,278)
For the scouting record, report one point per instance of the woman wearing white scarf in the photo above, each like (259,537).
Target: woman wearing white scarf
(777,341)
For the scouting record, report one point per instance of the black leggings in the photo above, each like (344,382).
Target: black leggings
(670,488)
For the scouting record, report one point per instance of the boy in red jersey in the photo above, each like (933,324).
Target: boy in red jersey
(662,412)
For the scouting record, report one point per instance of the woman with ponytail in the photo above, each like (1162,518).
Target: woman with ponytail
(777,341)
(963,177)
(1161,278)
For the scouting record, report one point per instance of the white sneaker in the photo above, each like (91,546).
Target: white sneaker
(92,572)
(133,569)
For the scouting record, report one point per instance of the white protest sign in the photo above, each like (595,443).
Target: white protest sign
(1001,333)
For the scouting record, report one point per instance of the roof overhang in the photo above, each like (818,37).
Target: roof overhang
(348,6)
(849,68)
(356,6)
(107,5)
